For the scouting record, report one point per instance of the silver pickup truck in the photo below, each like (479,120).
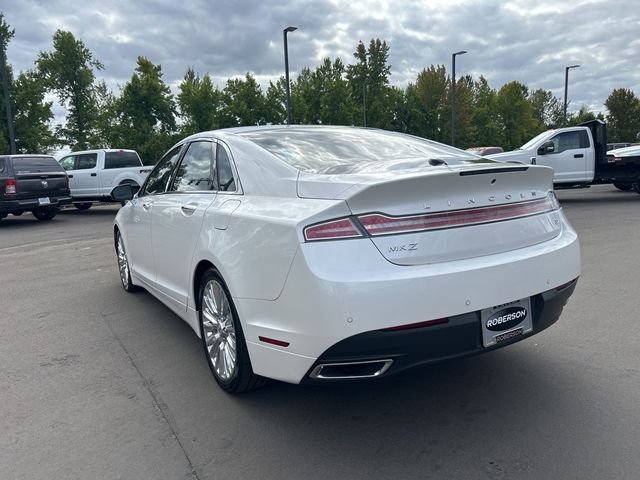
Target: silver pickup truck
(93,174)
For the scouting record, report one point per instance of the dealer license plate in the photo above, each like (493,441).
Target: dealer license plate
(44,201)
(504,322)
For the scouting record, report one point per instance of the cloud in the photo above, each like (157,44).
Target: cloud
(517,40)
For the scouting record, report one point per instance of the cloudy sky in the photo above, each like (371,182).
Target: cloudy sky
(526,40)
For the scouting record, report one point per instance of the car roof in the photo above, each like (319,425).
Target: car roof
(26,155)
(95,150)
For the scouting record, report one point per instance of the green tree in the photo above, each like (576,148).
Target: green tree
(69,71)
(369,81)
(6,34)
(432,114)
(275,109)
(465,130)
(547,109)
(484,118)
(146,112)
(105,133)
(31,114)
(199,102)
(305,101)
(623,118)
(515,115)
(333,92)
(242,102)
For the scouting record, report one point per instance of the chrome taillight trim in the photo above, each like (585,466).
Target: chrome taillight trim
(456,218)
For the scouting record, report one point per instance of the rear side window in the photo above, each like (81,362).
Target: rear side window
(225,172)
(86,161)
(584,139)
(121,159)
(3,169)
(35,165)
(158,179)
(194,172)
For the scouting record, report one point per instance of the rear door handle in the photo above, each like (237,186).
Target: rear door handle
(94,174)
(189,208)
(578,155)
(70,176)
(147,206)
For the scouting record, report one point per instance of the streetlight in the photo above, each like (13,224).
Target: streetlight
(7,100)
(453,95)
(286,71)
(566,84)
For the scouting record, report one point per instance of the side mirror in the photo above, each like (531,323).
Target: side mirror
(547,147)
(123,193)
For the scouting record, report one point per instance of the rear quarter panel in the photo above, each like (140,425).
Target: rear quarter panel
(254,253)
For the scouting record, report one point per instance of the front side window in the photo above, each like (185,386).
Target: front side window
(566,141)
(87,161)
(68,162)
(194,172)
(160,176)
(226,182)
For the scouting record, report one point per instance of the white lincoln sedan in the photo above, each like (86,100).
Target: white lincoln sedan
(317,253)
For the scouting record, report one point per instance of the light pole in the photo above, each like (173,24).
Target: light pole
(286,71)
(453,95)
(7,100)
(566,85)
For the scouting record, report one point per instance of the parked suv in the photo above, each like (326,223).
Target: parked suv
(32,183)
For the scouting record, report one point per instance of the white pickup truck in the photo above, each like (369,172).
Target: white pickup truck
(579,157)
(93,174)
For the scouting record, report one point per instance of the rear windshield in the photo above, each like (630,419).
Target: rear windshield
(35,165)
(354,150)
(121,160)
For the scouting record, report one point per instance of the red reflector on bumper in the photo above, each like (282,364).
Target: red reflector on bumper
(273,341)
(409,326)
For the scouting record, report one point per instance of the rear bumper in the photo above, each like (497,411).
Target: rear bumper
(461,336)
(335,294)
(26,204)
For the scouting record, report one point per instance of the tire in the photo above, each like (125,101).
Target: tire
(46,213)
(83,206)
(623,186)
(123,265)
(223,340)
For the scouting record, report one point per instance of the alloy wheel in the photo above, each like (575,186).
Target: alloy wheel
(218,330)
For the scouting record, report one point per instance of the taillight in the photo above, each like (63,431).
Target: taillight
(331,230)
(10,187)
(380,224)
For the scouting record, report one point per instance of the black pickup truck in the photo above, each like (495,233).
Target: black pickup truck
(32,183)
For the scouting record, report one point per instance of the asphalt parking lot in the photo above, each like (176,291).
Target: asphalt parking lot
(97,383)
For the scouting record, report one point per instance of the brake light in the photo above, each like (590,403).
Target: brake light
(331,230)
(10,187)
(380,224)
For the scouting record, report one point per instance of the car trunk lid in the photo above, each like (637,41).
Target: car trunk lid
(453,213)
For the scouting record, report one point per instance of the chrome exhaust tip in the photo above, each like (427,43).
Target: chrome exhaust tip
(349,370)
